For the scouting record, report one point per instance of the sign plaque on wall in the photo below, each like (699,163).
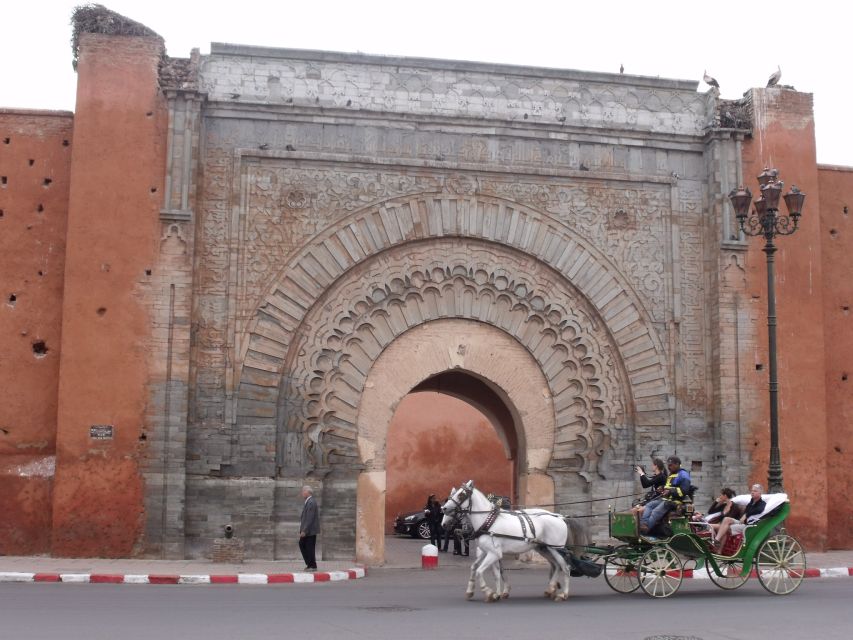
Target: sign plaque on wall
(101,432)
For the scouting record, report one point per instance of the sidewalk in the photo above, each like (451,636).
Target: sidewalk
(400,553)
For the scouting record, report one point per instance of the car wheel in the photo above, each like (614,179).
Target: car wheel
(422,530)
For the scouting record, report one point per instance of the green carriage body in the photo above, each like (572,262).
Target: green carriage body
(685,544)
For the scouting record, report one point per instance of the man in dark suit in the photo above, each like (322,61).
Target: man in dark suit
(309,527)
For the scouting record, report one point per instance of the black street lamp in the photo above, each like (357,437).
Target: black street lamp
(766,221)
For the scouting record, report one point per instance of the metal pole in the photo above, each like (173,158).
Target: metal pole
(774,471)
(764,222)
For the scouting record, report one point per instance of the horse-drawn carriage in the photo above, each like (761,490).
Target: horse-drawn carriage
(657,565)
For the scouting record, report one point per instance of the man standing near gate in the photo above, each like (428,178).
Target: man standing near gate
(309,527)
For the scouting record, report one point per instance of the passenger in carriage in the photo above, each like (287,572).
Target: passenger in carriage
(734,525)
(675,491)
(724,506)
(654,483)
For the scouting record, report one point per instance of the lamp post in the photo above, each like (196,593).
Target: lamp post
(765,221)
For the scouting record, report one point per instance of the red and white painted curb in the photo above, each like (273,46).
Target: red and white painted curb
(240,578)
(835,572)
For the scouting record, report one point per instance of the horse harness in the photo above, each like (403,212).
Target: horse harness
(523,518)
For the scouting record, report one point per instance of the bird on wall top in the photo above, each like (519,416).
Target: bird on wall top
(621,68)
(774,77)
(709,80)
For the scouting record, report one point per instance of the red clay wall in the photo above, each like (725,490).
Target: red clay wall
(435,442)
(836,202)
(783,138)
(35,155)
(117,172)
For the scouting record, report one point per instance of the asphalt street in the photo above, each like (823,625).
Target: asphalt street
(406,603)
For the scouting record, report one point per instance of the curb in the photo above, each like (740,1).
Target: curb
(835,572)
(240,578)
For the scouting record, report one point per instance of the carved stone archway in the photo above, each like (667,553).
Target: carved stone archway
(304,356)
(348,329)
(359,316)
(296,288)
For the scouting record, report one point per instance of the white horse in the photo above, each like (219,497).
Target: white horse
(500,532)
(501,583)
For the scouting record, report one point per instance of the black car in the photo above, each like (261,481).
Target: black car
(412,524)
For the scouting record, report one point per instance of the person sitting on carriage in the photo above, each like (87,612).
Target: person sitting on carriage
(675,491)
(654,483)
(737,525)
(722,507)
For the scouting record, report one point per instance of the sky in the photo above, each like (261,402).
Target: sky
(739,43)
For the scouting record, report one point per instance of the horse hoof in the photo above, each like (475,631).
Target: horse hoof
(549,594)
(469,595)
(504,596)
(561,597)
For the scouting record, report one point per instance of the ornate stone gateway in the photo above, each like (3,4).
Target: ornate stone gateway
(363,225)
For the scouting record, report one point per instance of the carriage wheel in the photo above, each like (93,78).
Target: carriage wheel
(622,573)
(731,570)
(780,564)
(660,572)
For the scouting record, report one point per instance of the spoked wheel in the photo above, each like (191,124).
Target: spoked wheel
(660,572)
(780,564)
(731,570)
(621,573)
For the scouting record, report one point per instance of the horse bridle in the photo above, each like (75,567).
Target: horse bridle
(457,509)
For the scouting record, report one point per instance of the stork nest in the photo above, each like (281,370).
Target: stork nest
(735,114)
(96,18)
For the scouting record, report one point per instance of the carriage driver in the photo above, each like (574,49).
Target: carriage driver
(676,488)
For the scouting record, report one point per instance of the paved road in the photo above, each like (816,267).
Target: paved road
(415,604)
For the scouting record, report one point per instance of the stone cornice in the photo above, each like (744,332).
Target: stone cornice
(336,57)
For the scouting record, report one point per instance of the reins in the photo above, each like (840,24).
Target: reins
(490,519)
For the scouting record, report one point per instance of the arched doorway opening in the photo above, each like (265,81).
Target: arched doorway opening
(459,356)
(438,439)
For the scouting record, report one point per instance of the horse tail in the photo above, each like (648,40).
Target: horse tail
(578,536)
(577,532)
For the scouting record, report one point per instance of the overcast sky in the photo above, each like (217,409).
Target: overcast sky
(740,43)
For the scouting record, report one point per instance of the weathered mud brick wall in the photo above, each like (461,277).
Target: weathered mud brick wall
(35,161)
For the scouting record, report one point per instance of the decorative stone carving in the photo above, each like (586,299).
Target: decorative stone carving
(354,240)
(407,286)
(287,205)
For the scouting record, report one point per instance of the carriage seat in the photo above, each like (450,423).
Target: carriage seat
(772,502)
